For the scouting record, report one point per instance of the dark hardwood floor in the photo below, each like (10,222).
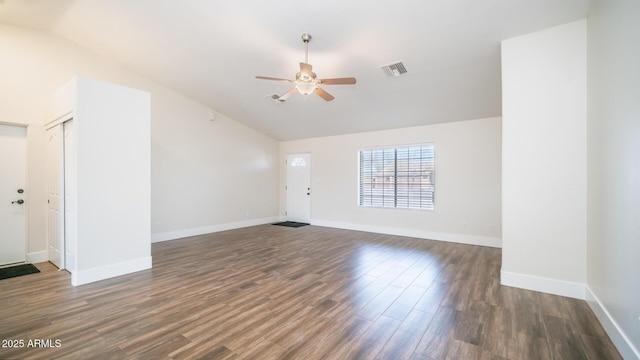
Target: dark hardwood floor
(271,292)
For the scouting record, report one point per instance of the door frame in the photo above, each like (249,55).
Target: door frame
(69,134)
(26,195)
(63,210)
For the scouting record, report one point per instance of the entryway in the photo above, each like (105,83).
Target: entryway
(13,199)
(299,187)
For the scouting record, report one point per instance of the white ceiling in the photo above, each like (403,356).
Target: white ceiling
(211,50)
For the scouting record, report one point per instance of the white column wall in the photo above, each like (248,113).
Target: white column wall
(113,166)
(613,247)
(544,160)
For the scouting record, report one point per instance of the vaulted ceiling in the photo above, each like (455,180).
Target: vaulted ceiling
(212,50)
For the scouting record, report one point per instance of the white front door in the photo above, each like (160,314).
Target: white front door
(299,187)
(13,225)
(55,201)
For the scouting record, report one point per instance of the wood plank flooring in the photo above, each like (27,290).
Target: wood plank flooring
(271,292)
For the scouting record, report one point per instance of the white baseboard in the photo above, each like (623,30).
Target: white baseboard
(536,283)
(421,234)
(577,291)
(37,257)
(172,235)
(619,338)
(105,272)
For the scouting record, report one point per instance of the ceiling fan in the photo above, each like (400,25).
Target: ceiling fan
(306,81)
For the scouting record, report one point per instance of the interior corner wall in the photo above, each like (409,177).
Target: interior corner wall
(467,177)
(613,247)
(205,175)
(544,160)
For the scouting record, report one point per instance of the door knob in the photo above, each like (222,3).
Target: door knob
(18,202)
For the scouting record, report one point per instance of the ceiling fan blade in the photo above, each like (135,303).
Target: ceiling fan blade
(272,78)
(288,93)
(338,81)
(305,68)
(323,94)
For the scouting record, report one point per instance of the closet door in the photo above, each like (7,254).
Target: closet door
(70,190)
(55,190)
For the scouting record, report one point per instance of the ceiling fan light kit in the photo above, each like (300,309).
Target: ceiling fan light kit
(306,88)
(306,81)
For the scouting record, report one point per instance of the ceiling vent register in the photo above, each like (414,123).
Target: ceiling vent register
(275,97)
(393,70)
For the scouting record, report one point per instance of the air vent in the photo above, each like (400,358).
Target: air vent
(396,69)
(275,97)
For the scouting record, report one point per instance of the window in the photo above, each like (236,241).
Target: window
(298,162)
(397,177)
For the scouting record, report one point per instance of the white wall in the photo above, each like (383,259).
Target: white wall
(544,160)
(613,248)
(113,200)
(467,199)
(195,163)
(208,175)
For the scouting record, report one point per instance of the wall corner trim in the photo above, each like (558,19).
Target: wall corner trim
(112,270)
(615,332)
(547,285)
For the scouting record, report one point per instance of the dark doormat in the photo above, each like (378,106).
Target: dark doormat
(292,224)
(18,270)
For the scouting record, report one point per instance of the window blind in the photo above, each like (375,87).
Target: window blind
(397,177)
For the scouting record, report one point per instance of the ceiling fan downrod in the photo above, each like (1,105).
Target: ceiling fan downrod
(305,39)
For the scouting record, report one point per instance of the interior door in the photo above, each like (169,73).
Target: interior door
(299,187)
(13,225)
(69,196)
(55,201)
